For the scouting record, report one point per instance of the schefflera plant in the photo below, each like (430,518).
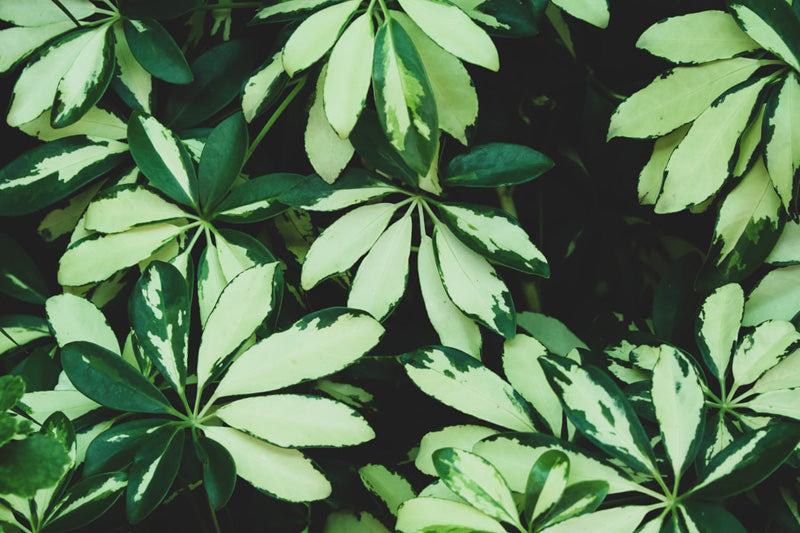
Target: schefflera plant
(255,436)
(457,243)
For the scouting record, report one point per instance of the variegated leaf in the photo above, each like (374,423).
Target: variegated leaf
(293,421)
(355,186)
(282,472)
(651,178)
(353,522)
(124,207)
(256,199)
(76,319)
(697,38)
(784,375)
(317,345)
(579,498)
(702,161)
(19,42)
(18,330)
(782,138)
(39,405)
(327,152)
(132,82)
(54,170)
(594,12)
(600,411)
(521,367)
(263,87)
(472,283)
(551,332)
(451,325)
(242,306)
(477,482)
(776,296)
(95,123)
(771,23)
(84,501)
(762,349)
(777,402)
(677,97)
(211,281)
(787,249)
(163,158)
(463,437)
(289,9)
(156,51)
(403,97)
(344,242)
(381,278)
(349,75)
(41,12)
(95,258)
(152,474)
(391,488)
(679,403)
(718,327)
(435,514)
(454,31)
(315,36)
(86,80)
(749,145)
(496,235)
(546,482)
(455,96)
(614,520)
(458,380)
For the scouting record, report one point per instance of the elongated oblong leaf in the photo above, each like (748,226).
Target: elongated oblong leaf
(219,471)
(762,349)
(131,81)
(86,500)
(782,138)
(263,87)
(771,23)
(774,297)
(614,520)
(19,275)
(355,186)
(156,50)
(327,152)
(496,164)
(594,12)
(600,411)
(123,207)
(221,161)
(436,514)
(153,471)
(390,487)
(19,42)
(106,378)
(718,327)
(256,199)
(546,482)
(52,171)
(73,318)
(458,380)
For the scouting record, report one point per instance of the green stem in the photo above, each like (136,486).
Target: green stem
(66,12)
(213,515)
(281,108)
(384,9)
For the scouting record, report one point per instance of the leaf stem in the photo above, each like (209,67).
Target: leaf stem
(213,515)
(66,12)
(281,108)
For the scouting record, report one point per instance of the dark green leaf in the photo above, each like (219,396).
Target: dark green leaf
(109,380)
(552,469)
(12,388)
(152,473)
(38,369)
(156,50)
(314,194)
(219,471)
(508,18)
(772,24)
(369,140)
(256,199)
(159,309)
(709,518)
(496,164)
(30,464)
(114,449)
(19,275)
(222,160)
(579,498)
(42,176)
(219,75)
(157,9)
(86,501)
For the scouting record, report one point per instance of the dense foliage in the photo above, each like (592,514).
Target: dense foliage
(425,265)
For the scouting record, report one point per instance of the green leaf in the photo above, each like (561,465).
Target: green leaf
(41,12)
(477,482)
(18,43)
(154,469)
(774,297)
(106,378)
(290,10)
(747,461)
(599,410)
(404,98)
(163,158)
(777,402)
(696,38)
(353,522)
(473,284)
(222,160)
(315,36)
(295,421)
(264,87)
(383,274)
(219,471)
(12,388)
(86,79)
(453,327)
(594,12)
(785,251)
(454,31)
(20,277)
(436,514)
(131,82)
(749,145)
(344,242)
(73,318)
(115,448)
(355,186)
(47,173)
(496,235)
(32,463)
(718,325)
(370,141)
(771,23)
(124,207)
(651,178)
(242,307)
(679,404)
(318,344)
(390,487)
(463,437)
(281,472)
(219,74)
(159,309)
(551,332)
(256,199)
(614,520)
(95,258)
(761,349)
(156,50)
(460,381)
(157,9)
(349,75)
(578,499)
(18,330)
(546,482)
(508,18)
(784,375)
(495,165)
(704,158)
(748,226)
(781,135)
(678,96)
(87,500)
(706,517)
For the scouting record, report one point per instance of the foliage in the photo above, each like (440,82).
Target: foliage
(321,245)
